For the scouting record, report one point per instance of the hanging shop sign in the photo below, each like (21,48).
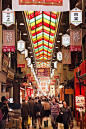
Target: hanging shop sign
(25,52)
(8,17)
(59,68)
(5,63)
(55,64)
(52,90)
(76,16)
(21,45)
(76,40)
(28,72)
(43,5)
(10,74)
(28,61)
(59,56)
(66,56)
(56,74)
(8,41)
(43,72)
(20,60)
(24,69)
(66,40)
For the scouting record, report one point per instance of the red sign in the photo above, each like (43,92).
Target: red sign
(29,91)
(43,72)
(8,41)
(41,2)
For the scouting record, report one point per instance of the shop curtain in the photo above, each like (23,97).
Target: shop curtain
(76,40)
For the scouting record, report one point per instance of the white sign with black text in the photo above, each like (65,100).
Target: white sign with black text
(66,40)
(8,17)
(76,16)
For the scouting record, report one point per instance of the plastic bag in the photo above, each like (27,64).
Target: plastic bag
(29,121)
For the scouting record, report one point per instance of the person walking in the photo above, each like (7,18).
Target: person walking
(67,116)
(55,109)
(31,103)
(46,112)
(4,109)
(39,113)
(24,113)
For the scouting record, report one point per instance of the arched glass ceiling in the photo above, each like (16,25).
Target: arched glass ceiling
(42,28)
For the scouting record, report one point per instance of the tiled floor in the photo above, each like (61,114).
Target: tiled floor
(60,126)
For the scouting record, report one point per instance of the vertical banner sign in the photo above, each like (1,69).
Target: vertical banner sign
(21,45)
(24,70)
(59,56)
(28,72)
(8,17)
(5,63)
(66,40)
(59,68)
(66,56)
(76,16)
(43,5)
(20,60)
(76,40)
(8,41)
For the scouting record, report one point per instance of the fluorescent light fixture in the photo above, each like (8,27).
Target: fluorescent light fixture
(58,41)
(28,47)
(24,34)
(21,24)
(60,33)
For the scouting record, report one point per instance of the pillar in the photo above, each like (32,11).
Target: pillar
(16,92)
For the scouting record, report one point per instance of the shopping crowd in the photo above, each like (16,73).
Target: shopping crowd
(40,109)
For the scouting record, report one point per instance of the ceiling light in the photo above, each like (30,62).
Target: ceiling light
(28,47)
(30,52)
(58,41)
(31,56)
(24,34)
(56,47)
(21,24)
(60,33)
(63,24)
(53,59)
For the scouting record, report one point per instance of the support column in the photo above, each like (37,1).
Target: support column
(16,92)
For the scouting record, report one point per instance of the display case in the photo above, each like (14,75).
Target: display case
(14,116)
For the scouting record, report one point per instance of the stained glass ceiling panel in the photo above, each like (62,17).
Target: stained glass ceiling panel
(42,27)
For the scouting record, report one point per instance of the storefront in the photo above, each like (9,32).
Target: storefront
(80,93)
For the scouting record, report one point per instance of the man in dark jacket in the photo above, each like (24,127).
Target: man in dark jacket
(32,110)
(24,113)
(4,111)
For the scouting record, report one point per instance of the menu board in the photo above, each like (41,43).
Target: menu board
(43,72)
(80,101)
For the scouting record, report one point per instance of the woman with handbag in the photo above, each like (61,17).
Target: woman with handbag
(67,116)
(39,112)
